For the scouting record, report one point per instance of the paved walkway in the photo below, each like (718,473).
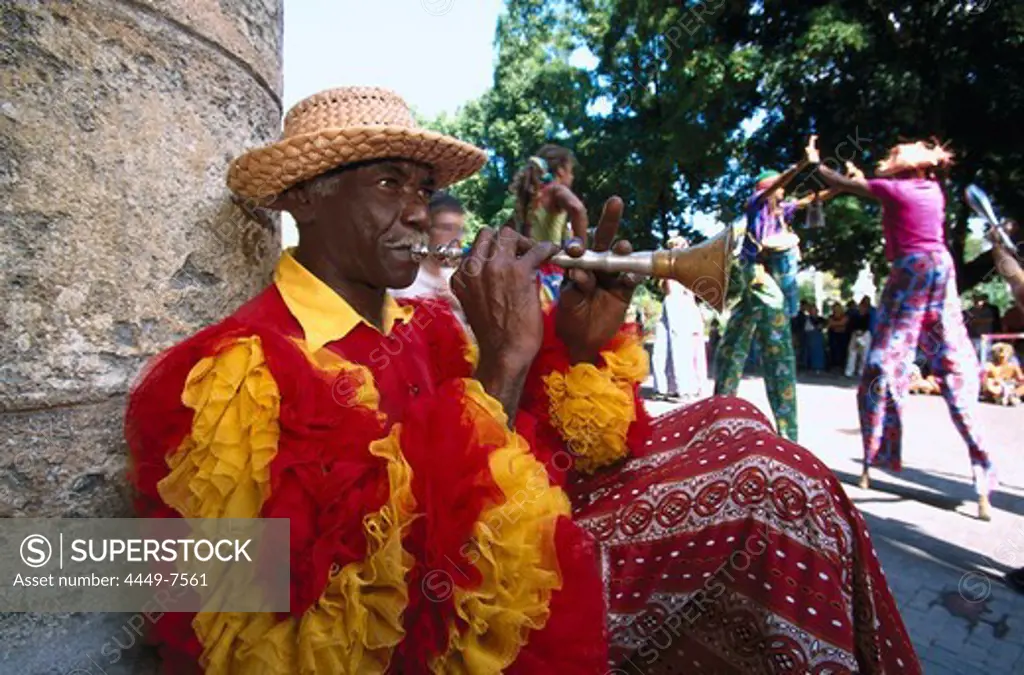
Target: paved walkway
(944,565)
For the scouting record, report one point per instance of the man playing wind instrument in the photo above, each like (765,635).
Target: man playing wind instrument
(507,510)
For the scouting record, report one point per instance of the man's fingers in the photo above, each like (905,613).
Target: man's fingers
(622,247)
(537,253)
(524,244)
(480,252)
(624,286)
(527,250)
(585,281)
(482,244)
(575,247)
(508,243)
(611,215)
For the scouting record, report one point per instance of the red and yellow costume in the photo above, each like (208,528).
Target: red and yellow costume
(428,537)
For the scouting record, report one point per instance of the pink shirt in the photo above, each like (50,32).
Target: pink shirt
(913,215)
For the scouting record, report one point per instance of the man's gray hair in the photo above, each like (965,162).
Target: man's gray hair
(324,186)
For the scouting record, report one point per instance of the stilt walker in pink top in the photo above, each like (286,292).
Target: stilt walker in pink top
(919,307)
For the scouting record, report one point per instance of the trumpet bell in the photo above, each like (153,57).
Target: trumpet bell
(704,268)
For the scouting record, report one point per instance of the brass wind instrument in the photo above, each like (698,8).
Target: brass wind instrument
(704,268)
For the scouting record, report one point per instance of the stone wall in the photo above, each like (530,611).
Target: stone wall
(117,238)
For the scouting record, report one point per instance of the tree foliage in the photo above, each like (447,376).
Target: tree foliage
(688,100)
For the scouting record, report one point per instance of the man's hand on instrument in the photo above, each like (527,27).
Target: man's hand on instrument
(496,284)
(592,305)
(854,172)
(811,151)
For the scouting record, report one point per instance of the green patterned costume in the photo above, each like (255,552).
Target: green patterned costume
(760,313)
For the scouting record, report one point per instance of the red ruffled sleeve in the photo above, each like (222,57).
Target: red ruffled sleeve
(587,415)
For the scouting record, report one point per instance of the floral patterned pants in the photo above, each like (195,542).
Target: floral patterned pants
(920,308)
(757,316)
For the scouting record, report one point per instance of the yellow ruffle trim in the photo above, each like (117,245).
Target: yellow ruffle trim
(332,364)
(471,353)
(628,363)
(593,408)
(356,623)
(222,468)
(513,548)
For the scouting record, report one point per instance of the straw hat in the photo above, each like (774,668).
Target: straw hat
(910,156)
(344,126)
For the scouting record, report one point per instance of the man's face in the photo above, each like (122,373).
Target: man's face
(365,228)
(446,227)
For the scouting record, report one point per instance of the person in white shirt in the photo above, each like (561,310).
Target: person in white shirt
(680,357)
(447,228)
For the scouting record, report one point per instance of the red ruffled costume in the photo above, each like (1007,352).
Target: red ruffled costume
(428,537)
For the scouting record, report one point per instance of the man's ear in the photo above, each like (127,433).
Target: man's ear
(296,201)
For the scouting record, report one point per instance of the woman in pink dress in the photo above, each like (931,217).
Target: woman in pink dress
(919,307)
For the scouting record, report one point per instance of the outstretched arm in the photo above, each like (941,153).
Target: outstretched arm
(823,196)
(810,157)
(782,181)
(855,184)
(1009,268)
(564,199)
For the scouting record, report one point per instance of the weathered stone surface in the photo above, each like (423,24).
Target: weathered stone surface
(117,238)
(250,30)
(116,127)
(76,644)
(64,462)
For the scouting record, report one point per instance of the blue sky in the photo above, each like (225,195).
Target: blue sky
(436,54)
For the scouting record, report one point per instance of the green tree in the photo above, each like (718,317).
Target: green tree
(664,119)
(807,290)
(537,97)
(865,75)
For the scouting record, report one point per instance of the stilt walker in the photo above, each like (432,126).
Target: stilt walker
(548,210)
(770,296)
(919,307)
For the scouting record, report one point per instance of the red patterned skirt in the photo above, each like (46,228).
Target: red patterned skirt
(727,549)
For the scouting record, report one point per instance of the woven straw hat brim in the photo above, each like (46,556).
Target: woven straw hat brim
(266,172)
